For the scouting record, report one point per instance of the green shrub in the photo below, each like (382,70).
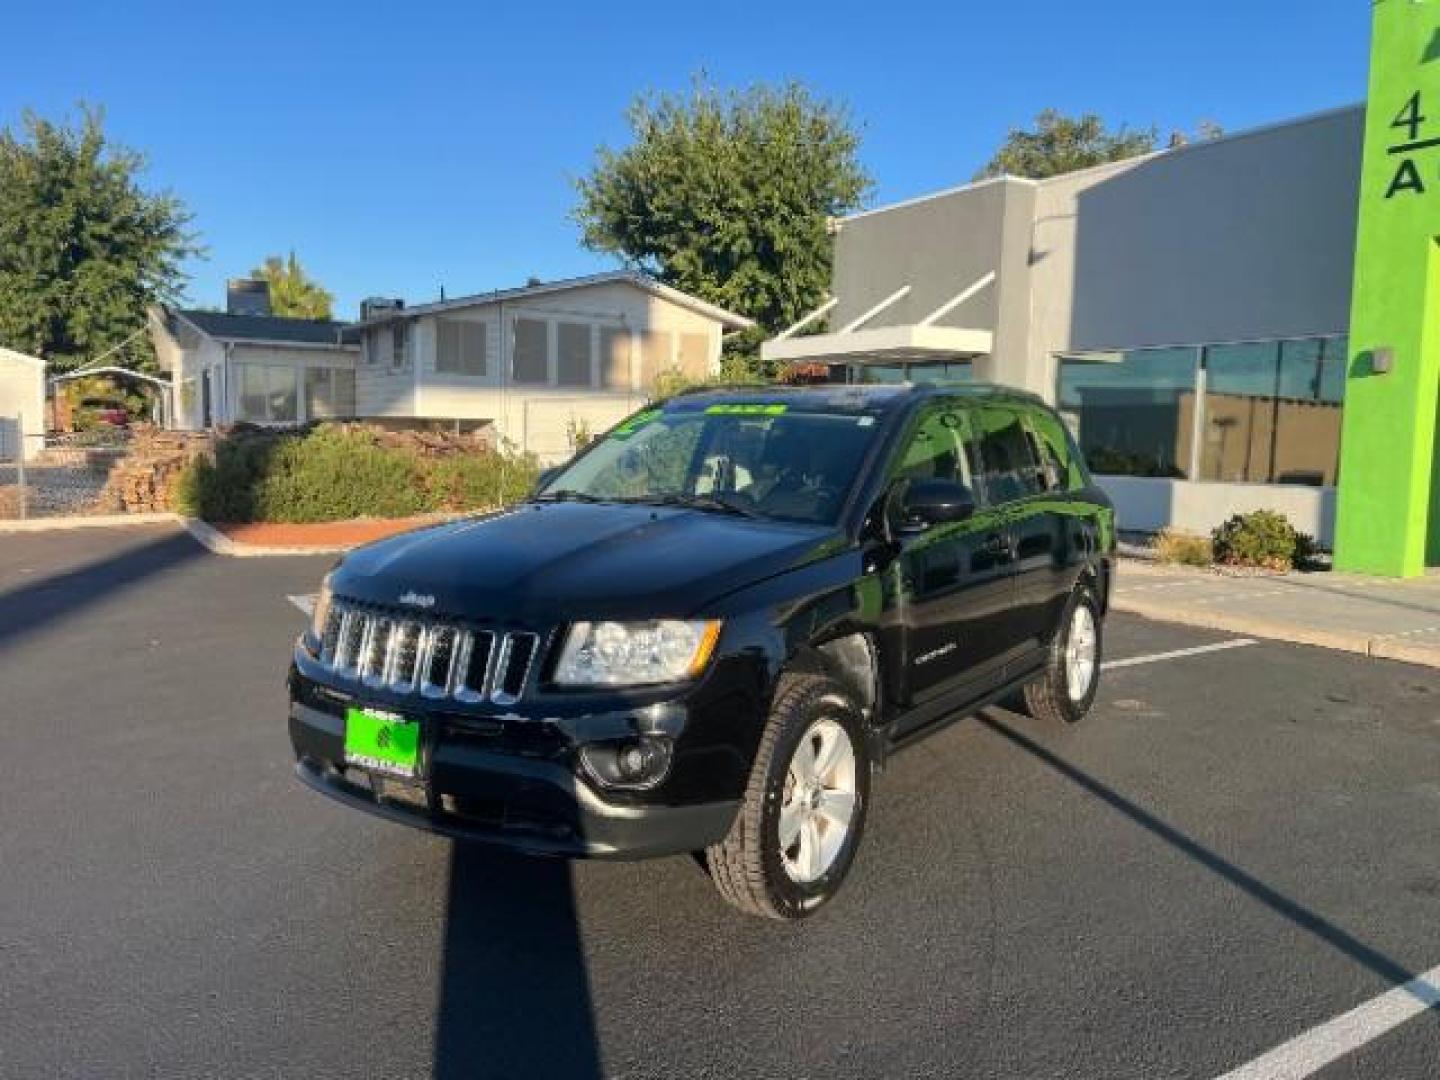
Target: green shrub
(1262,538)
(334,472)
(1187,549)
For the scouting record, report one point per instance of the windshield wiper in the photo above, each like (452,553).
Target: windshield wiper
(702,502)
(567,495)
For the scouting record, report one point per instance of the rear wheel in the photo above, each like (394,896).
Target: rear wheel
(1066,689)
(804,811)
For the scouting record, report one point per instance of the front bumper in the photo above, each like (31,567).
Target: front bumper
(479,787)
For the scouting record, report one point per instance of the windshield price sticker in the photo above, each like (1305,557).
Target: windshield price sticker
(635,423)
(746,410)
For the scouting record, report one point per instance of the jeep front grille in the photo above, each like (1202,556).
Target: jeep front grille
(392,651)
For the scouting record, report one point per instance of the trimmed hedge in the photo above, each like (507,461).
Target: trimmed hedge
(333,472)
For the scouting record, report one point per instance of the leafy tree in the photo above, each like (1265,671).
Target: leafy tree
(293,294)
(83,247)
(727,195)
(1060,144)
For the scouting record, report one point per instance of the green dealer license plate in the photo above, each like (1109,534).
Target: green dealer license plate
(382,742)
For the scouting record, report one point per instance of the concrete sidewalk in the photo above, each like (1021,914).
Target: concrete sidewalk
(1380,617)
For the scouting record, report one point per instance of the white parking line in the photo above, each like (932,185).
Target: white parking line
(1155,658)
(1309,1053)
(305,602)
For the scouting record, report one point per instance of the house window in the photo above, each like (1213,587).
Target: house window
(329,393)
(529,359)
(460,347)
(614,358)
(654,356)
(399,346)
(695,355)
(268,394)
(573,359)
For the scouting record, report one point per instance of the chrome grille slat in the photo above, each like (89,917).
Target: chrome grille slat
(408,653)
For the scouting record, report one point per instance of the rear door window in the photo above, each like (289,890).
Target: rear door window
(1011,468)
(1057,461)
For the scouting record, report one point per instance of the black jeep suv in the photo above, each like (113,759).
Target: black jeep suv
(706,631)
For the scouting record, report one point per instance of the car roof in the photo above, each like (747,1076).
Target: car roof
(847,397)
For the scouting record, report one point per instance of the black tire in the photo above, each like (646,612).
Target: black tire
(748,867)
(1050,696)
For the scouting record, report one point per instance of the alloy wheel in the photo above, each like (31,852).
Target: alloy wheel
(819,801)
(1080,650)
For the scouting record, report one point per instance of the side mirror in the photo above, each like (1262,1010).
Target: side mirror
(935,502)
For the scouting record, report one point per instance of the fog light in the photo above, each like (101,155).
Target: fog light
(630,763)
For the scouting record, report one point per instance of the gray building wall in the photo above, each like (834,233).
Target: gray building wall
(1245,237)
(1251,236)
(938,246)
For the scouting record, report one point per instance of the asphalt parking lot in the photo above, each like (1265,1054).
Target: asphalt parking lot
(1238,846)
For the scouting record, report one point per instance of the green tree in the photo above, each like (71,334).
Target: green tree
(1060,144)
(293,294)
(83,247)
(727,195)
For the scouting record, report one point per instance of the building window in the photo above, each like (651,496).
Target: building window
(268,394)
(1264,412)
(399,346)
(1272,412)
(572,362)
(329,393)
(614,358)
(529,359)
(873,374)
(460,347)
(1132,412)
(945,372)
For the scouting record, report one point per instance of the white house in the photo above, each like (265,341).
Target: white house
(22,405)
(245,364)
(536,362)
(532,365)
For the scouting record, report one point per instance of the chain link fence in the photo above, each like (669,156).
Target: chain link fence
(55,475)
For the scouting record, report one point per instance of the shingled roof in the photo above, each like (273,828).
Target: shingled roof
(271,328)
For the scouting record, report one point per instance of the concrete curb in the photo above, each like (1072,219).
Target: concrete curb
(216,542)
(92,521)
(1381,647)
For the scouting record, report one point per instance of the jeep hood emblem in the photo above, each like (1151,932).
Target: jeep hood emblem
(414,599)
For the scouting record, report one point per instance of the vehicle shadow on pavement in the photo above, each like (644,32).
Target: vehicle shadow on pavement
(1295,912)
(514,993)
(37,603)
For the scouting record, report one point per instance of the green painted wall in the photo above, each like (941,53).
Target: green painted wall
(1389,500)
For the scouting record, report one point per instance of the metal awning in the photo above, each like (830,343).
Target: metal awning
(912,344)
(884,345)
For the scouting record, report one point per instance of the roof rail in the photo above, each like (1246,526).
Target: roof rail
(712,387)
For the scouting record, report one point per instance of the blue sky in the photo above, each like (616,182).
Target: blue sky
(400,147)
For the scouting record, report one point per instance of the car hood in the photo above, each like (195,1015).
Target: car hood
(550,562)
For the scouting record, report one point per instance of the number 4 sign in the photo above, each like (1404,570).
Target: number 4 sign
(1411,120)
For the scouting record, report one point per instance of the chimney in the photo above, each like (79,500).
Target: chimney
(247,296)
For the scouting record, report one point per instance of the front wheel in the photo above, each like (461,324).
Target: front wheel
(797,832)
(1064,692)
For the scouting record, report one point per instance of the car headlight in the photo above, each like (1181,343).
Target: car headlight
(321,615)
(635,653)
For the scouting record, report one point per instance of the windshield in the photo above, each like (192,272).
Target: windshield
(757,460)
